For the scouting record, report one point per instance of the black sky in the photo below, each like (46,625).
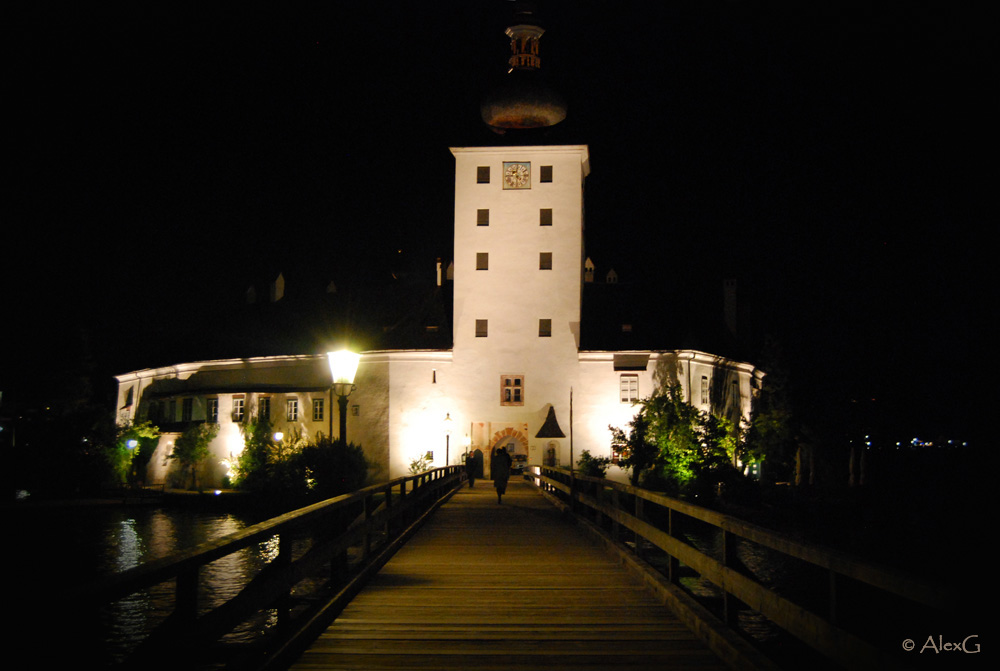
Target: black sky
(834,159)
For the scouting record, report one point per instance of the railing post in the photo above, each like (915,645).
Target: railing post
(388,512)
(186,604)
(284,559)
(614,520)
(673,566)
(368,527)
(729,602)
(635,535)
(403,508)
(599,497)
(833,597)
(572,491)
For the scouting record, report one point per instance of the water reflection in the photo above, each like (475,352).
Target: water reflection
(60,548)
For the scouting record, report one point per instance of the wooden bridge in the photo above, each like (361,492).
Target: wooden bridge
(567,572)
(505,586)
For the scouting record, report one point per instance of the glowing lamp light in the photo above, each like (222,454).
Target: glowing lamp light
(132,443)
(278,436)
(343,366)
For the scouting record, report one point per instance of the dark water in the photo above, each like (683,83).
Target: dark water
(55,549)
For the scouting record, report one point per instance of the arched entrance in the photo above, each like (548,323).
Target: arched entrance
(515,443)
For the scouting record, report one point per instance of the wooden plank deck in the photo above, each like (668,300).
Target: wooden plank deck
(504,586)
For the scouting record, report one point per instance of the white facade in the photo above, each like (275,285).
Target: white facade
(518,282)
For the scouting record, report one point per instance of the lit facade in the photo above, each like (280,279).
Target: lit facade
(515,375)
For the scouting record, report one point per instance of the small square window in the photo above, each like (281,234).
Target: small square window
(545,261)
(546,173)
(482,217)
(481,328)
(545,216)
(483,174)
(511,390)
(482,261)
(544,328)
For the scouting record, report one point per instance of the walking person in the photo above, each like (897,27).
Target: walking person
(500,463)
(470,468)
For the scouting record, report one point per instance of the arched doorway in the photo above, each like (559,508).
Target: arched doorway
(515,443)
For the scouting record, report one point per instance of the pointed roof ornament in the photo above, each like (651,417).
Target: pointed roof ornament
(550,429)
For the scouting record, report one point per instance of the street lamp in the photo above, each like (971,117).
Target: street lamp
(343,367)
(447,438)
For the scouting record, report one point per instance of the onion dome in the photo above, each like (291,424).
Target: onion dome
(523,100)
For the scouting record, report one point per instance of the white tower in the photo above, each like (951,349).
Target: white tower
(518,282)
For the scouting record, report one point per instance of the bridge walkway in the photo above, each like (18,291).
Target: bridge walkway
(506,586)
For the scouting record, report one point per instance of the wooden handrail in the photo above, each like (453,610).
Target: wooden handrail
(380,513)
(822,633)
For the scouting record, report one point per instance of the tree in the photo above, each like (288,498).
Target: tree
(771,435)
(191,448)
(637,453)
(673,444)
(134,445)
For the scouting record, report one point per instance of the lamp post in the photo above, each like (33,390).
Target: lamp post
(447,439)
(343,367)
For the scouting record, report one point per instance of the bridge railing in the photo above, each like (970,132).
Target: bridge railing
(338,542)
(843,608)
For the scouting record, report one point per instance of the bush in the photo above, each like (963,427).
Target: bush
(591,466)
(332,468)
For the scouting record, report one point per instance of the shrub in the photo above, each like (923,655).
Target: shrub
(591,466)
(332,468)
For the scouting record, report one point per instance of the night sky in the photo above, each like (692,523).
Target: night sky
(831,158)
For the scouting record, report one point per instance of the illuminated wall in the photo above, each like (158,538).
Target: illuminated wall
(518,280)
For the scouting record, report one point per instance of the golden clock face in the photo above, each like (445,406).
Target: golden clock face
(516,175)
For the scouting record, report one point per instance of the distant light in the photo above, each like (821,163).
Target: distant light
(218,491)
(132,443)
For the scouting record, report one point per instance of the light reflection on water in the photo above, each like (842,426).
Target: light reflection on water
(59,548)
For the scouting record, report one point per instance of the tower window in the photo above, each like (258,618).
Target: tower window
(483,174)
(482,217)
(482,327)
(704,390)
(545,216)
(544,328)
(511,390)
(545,261)
(546,173)
(482,261)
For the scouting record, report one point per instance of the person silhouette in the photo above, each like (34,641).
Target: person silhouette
(500,462)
